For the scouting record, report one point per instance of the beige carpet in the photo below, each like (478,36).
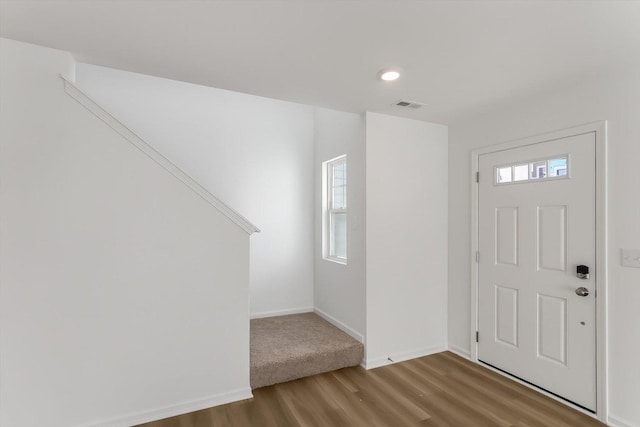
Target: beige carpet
(285,348)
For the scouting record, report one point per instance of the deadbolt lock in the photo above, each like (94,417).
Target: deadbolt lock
(582,272)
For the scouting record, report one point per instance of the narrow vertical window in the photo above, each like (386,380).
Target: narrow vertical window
(335,209)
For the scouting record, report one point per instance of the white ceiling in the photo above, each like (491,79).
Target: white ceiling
(457,56)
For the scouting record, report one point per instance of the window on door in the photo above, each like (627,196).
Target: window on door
(552,168)
(335,209)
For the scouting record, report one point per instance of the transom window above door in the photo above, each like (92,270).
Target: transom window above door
(556,167)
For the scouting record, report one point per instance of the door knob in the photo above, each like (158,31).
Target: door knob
(582,292)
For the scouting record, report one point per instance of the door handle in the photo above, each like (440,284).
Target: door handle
(582,292)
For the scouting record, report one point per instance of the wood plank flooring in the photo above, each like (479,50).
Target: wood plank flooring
(438,390)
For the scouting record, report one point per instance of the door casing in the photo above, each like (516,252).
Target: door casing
(600,129)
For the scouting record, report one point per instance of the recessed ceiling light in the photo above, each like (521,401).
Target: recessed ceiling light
(388,75)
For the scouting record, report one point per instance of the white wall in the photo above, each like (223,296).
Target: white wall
(406,239)
(255,154)
(123,294)
(615,98)
(339,290)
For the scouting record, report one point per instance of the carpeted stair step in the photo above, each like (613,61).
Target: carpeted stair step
(285,348)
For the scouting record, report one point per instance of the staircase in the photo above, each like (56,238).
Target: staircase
(285,348)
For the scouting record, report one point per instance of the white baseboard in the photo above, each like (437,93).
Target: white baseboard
(173,410)
(460,351)
(275,313)
(338,324)
(401,357)
(614,421)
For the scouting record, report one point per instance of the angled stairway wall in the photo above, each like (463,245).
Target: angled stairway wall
(124,290)
(254,153)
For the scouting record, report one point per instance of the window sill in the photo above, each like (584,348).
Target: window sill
(336,260)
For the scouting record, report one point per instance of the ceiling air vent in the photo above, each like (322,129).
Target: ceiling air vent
(409,104)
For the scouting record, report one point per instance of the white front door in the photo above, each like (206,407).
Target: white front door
(536,226)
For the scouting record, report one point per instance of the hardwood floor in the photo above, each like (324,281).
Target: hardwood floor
(438,390)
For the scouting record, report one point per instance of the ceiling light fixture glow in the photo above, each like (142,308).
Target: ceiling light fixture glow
(388,75)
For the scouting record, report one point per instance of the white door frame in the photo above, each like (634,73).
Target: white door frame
(600,129)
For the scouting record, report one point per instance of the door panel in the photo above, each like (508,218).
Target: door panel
(507,235)
(552,238)
(507,315)
(536,224)
(552,328)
